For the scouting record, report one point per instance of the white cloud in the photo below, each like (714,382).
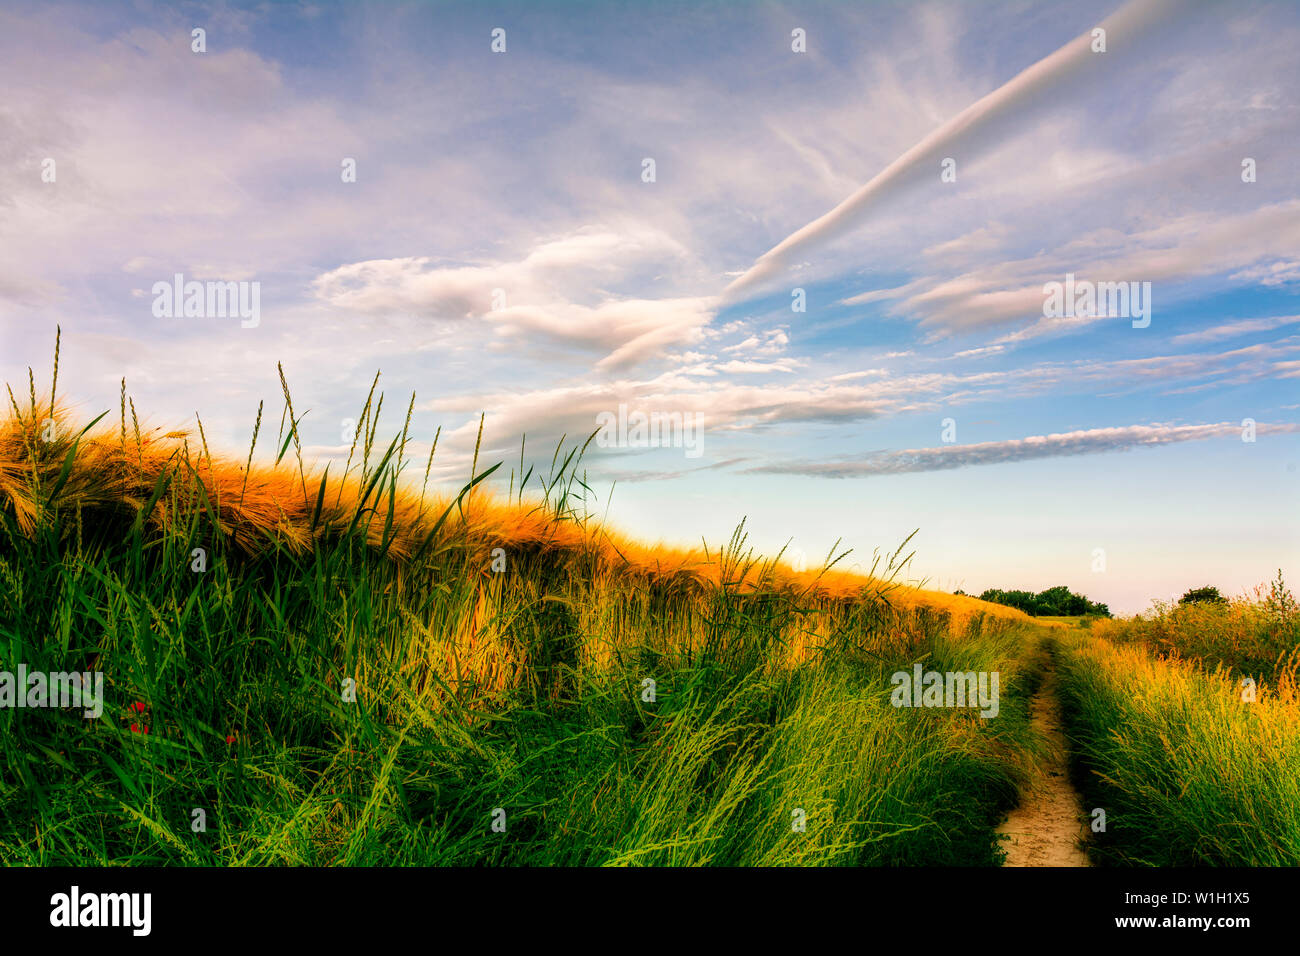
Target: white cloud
(1092,441)
(771,342)
(963,134)
(1230,330)
(537,294)
(749,368)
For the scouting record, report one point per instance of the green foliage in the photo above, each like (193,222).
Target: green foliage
(1280,604)
(1057,601)
(1205,595)
(1253,636)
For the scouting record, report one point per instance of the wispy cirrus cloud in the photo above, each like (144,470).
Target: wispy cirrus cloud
(735,408)
(966,133)
(1093,441)
(1231,330)
(1010,290)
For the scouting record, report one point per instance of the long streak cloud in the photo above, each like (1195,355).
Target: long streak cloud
(961,135)
(1092,441)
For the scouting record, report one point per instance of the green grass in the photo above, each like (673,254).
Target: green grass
(502,656)
(1187,772)
(1072,622)
(1169,742)
(1255,636)
(586,771)
(475,692)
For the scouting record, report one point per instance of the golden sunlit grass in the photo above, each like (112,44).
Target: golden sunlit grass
(169,484)
(1186,722)
(349,669)
(1257,635)
(628,703)
(1187,769)
(259,506)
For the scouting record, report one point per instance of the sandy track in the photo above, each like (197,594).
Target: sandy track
(1048,827)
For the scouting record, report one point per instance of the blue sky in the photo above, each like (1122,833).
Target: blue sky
(522,171)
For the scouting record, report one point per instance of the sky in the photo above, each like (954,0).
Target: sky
(826,233)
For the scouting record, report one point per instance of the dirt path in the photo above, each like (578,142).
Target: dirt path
(1047,827)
